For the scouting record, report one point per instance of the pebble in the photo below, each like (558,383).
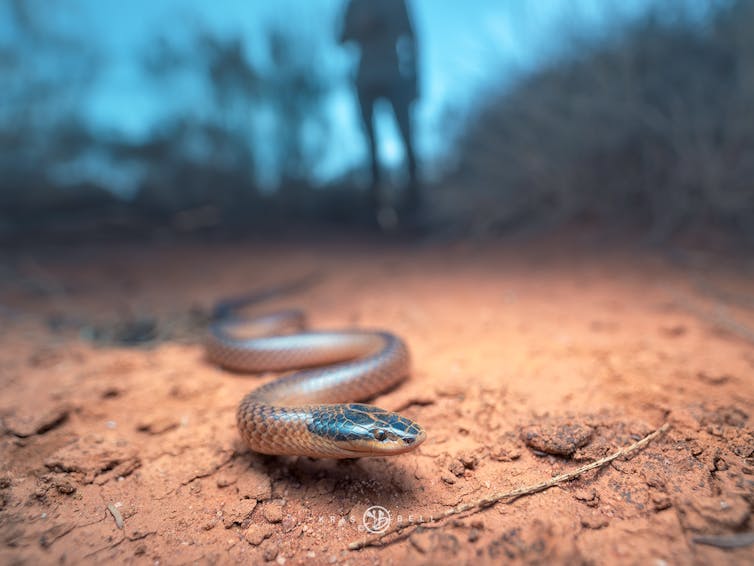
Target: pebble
(238,511)
(558,439)
(289,523)
(270,552)
(457,468)
(273,512)
(257,533)
(594,521)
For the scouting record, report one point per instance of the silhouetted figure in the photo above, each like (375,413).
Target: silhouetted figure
(387,70)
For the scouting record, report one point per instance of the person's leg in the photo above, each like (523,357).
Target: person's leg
(367,101)
(402,109)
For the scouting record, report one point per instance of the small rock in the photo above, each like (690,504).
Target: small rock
(713,379)
(238,512)
(731,416)
(557,439)
(91,459)
(695,447)
(731,512)
(257,533)
(111,393)
(36,420)
(452,389)
(457,468)
(594,521)
(289,523)
(447,478)
(473,535)
(253,484)
(135,332)
(40,494)
(224,481)
(64,486)
(587,496)
(469,460)
(506,449)
(719,464)
(273,512)
(269,551)
(660,501)
(158,425)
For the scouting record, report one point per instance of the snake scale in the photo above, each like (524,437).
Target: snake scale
(314,411)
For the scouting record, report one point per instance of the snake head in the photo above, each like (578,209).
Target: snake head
(364,430)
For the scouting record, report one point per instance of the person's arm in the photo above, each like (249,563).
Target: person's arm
(407,46)
(347,25)
(405,24)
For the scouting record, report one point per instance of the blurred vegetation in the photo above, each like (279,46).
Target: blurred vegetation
(41,128)
(652,127)
(198,168)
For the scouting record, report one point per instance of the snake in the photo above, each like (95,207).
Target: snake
(315,411)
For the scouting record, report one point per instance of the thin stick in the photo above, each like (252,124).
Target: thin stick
(510,496)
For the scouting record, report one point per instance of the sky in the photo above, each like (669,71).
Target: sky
(466,47)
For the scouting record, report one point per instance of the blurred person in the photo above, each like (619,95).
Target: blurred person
(383,31)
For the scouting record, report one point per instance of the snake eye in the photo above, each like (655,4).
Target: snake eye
(379,434)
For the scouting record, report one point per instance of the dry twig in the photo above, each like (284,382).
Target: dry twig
(509,496)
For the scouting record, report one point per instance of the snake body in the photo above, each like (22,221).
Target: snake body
(312,412)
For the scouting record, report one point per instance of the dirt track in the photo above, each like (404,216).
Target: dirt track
(113,453)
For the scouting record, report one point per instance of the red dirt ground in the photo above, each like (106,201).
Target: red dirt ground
(131,455)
